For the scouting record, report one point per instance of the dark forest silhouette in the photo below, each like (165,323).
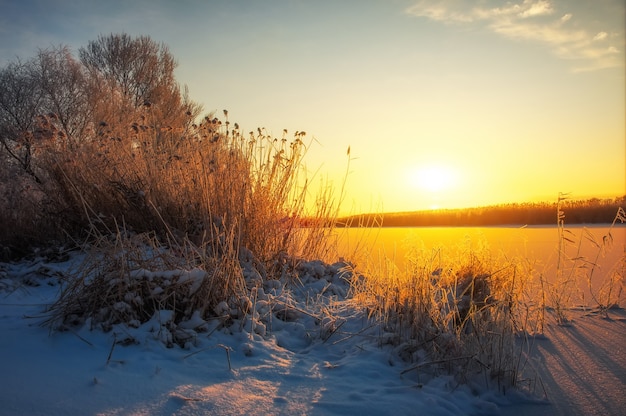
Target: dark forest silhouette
(589,211)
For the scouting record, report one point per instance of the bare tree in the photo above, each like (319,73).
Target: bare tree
(20,103)
(139,67)
(136,75)
(119,81)
(64,92)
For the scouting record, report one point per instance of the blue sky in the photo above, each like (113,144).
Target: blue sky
(506,101)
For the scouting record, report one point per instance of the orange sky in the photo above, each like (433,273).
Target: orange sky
(443,104)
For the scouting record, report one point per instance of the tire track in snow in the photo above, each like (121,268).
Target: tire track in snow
(582,366)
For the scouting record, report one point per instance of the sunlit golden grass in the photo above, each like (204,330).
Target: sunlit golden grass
(130,279)
(210,181)
(171,221)
(468,309)
(574,270)
(456,304)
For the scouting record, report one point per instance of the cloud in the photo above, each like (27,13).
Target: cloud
(529,20)
(539,8)
(600,36)
(457,11)
(438,12)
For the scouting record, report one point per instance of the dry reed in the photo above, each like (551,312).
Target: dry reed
(189,226)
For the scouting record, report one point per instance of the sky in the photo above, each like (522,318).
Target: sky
(443,104)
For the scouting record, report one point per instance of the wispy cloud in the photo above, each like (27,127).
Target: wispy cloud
(533,20)
(600,36)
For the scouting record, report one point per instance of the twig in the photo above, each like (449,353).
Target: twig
(84,340)
(353,335)
(227,354)
(225,347)
(199,351)
(295,308)
(447,360)
(112,348)
(333,332)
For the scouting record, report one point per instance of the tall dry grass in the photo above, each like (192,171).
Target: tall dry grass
(575,271)
(195,184)
(208,198)
(467,309)
(448,310)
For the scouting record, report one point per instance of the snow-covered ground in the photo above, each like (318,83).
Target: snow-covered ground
(296,365)
(581,367)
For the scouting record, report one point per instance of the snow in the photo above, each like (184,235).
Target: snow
(582,365)
(277,360)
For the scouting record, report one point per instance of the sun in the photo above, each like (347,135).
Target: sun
(433,178)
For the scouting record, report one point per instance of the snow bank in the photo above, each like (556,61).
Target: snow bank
(288,355)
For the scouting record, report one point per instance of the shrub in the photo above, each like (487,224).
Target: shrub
(114,154)
(449,310)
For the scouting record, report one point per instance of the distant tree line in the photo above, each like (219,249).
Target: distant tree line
(589,211)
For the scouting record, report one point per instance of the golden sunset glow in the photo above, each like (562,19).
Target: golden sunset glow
(433,178)
(447,104)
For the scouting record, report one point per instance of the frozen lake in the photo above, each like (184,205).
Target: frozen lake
(538,245)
